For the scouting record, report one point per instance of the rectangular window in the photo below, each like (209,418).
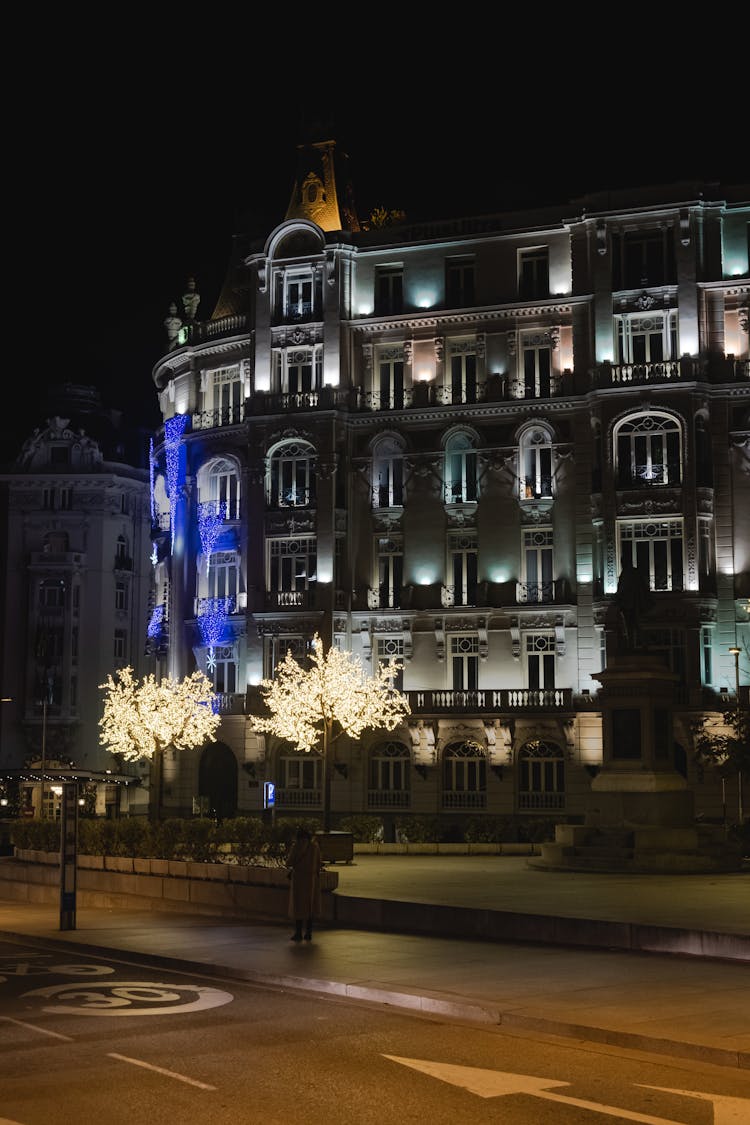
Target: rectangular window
(390,648)
(390,382)
(462,569)
(224,669)
(298,304)
(707,660)
(463,387)
(533,273)
(224,577)
(464,662)
(293,564)
(278,647)
(537,566)
(388,478)
(120,648)
(539,650)
(301,773)
(537,371)
(459,283)
(228,395)
(650,339)
(66,499)
(390,564)
(389,291)
(121,596)
(643,258)
(655,548)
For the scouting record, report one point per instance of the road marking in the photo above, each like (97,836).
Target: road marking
(727,1111)
(129,998)
(161,1070)
(498,1083)
(33,1027)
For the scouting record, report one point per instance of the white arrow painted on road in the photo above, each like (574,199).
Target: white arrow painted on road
(727,1111)
(499,1083)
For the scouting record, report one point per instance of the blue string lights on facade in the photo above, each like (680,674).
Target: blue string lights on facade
(174,428)
(152,478)
(211,516)
(212,622)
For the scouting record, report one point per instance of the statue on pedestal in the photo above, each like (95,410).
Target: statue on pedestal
(633,602)
(172,326)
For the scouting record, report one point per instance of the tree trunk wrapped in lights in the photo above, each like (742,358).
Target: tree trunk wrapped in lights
(141,720)
(307,705)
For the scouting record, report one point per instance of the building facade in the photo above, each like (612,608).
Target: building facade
(76,582)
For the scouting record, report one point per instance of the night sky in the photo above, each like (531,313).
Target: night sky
(135,170)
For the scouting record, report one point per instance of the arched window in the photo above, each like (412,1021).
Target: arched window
(465,775)
(387,473)
(535,463)
(389,776)
(223,487)
(648,450)
(541,776)
(291,475)
(460,469)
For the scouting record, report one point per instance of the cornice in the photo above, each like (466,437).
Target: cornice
(475,316)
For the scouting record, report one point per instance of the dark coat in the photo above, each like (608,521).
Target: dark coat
(304,864)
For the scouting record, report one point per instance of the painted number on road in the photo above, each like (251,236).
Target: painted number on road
(128,998)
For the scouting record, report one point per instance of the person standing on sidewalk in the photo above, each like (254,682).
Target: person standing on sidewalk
(303,865)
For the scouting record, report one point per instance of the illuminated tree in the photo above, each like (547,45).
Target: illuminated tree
(334,696)
(141,720)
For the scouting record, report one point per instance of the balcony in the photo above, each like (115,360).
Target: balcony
(541,802)
(633,374)
(490,701)
(230,703)
(232,605)
(388,799)
(214,419)
(299,798)
(536,593)
(290,599)
(464,799)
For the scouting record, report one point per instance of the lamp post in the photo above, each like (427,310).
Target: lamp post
(42,813)
(735,651)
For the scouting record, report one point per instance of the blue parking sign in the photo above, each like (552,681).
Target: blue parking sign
(269,794)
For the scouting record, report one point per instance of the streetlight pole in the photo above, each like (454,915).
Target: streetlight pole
(735,651)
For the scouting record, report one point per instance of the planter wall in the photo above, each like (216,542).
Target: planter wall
(203,888)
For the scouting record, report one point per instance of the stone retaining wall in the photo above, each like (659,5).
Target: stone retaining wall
(224,889)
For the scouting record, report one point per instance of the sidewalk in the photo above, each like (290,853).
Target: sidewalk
(687,1006)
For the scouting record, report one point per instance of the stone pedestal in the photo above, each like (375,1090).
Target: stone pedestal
(640,813)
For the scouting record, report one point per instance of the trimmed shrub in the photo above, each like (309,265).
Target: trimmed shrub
(417,829)
(364,829)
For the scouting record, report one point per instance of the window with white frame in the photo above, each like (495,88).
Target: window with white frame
(460,462)
(299,371)
(655,548)
(291,475)
(279,646)
(707,655)
(537,566)
(706,554)
(459,282)
(463,372)
(464,775)
(121,596)
(539,653)
(224,394)
(389,392)
(222,485)
(462,568)
(535,456)
(387,649)
(541,776)
(464,655)
(533,273)
(52,593)
(390,569)
(388,474)
(298,295)
(292,564)
(301,773)
(389,776)
(224,576)
(648,450)
(223,669)
(536,357)
(646,339)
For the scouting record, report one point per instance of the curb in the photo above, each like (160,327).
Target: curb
(432,1004)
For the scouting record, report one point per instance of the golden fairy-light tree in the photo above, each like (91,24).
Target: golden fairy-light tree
(333,696)
(142,719)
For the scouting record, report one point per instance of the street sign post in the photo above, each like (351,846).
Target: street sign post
(68,855)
